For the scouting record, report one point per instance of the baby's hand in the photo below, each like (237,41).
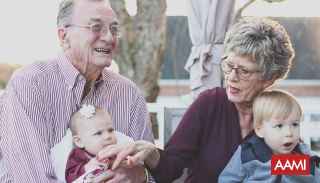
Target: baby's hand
(94,164)
(97,176)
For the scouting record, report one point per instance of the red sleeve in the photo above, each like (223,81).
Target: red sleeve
(75,165)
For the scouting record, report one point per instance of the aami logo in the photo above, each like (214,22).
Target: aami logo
(290,164)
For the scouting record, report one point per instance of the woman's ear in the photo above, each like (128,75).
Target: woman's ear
(77,141)
(270,82)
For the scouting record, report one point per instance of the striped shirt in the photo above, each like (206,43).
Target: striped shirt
(36,108)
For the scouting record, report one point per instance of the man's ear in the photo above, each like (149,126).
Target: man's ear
(77,141)
(63,38)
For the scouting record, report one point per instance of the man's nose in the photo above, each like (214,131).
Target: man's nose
(106,35)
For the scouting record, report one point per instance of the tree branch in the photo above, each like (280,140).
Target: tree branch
(146,7)
(238,14)
(119,6)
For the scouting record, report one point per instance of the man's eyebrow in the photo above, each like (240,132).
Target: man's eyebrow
(95,20)
(98,20)
(115,22)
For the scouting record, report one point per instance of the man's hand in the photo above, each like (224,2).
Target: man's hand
(123,174)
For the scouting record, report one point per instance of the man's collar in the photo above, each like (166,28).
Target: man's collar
(69,72)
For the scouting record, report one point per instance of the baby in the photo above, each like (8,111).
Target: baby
(277,117)
(92,130)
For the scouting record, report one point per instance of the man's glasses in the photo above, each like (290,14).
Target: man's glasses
(243,73)
(100,29)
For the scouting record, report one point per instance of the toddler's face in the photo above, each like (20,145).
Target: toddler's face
(95,134)
(281,135)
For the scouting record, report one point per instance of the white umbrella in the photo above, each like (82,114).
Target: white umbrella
(208,22)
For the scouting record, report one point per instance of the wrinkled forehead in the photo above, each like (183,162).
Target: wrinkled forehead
(93,11)
(242,60)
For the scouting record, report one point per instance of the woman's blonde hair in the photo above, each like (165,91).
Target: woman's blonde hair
(274,103)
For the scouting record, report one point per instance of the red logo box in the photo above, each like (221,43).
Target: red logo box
(290,164)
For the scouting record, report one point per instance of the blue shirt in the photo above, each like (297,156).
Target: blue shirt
(251,163)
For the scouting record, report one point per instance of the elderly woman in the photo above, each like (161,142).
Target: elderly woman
(257,53)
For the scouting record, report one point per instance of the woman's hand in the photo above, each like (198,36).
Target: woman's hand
(133,153)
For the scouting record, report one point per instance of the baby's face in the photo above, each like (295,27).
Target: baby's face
(282,135)
(96,133)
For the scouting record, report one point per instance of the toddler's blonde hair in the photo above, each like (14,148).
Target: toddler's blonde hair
(274,103)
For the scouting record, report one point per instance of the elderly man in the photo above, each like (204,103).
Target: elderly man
(41,97)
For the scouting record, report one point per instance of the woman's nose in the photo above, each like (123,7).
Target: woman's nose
(233,75)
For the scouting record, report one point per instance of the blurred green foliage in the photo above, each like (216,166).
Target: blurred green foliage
(3,84)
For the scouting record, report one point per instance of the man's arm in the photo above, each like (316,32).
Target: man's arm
(25,133)
(233,172)
(139,129)
(140,125)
